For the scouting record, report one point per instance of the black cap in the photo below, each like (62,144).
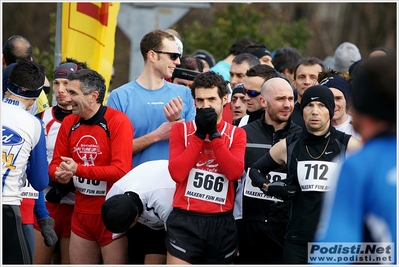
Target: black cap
(118,213)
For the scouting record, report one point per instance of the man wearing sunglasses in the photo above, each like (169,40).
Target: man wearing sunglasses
(253,81)
(153,105)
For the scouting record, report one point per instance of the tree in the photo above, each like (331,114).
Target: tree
(241,20)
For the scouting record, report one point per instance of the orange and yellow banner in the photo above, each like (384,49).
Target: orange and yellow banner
(88,34)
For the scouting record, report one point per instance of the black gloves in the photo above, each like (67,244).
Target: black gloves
(206,120)
(58,191)
(264,189)
(281,190)
(47,229)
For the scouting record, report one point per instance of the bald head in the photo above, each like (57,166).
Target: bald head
(16,47)
(276,85)
(278,102)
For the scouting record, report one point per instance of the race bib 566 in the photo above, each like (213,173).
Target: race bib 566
(207,186)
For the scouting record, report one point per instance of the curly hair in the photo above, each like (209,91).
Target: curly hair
(210,79)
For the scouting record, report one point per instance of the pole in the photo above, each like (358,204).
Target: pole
(58,41)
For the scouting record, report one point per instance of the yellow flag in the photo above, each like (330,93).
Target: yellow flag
(88,34)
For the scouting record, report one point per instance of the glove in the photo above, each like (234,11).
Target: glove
(201,122)
(47,227)
(58,191)
(264,189)
(282,190)
(212,118)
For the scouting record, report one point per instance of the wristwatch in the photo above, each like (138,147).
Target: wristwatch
(215,135)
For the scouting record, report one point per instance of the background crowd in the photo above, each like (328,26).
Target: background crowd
(197,161)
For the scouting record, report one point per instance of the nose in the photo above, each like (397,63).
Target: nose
(207,104)
(308,80)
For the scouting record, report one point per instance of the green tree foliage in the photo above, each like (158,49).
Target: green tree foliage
(242,20)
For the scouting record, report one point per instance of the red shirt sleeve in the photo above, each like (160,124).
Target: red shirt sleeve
(182,159)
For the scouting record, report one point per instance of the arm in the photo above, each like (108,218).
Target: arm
(40,209)
(353,145)
(172,111)
(45,222)
(231,157)
(38,161)
(277,156)
(182,159)
(159,134)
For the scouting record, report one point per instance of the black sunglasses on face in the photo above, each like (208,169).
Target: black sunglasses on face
(173,56)
(251,93)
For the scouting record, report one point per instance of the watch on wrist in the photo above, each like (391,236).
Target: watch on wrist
(215,135)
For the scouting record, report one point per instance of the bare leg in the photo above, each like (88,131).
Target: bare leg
(64,249)
(155,259)
(82,251)
(115,252)
(43,254)
(173,260)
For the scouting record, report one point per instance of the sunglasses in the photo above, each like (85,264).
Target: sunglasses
(173,56)
(251,93)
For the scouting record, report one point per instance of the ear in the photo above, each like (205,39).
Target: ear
(263,101)
(151,56)
(95,96)
(224,100)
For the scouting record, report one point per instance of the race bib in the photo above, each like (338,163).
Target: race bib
(316,175)
(90,187)
(207,186)
(27,191)
(254,192)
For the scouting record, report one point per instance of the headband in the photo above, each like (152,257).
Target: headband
(24,92)
(64,69)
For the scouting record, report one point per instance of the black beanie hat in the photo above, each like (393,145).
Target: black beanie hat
(319,93)
(118,213)
(238,89)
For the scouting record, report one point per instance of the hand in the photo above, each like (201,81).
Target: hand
(264,189)
(201,123)
(163,131)
(62,176)
(212,118)
(68,164)
(173,109)
(282,190)
(47,230)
